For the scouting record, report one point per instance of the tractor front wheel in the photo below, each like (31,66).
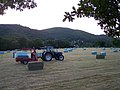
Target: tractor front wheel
(61,58)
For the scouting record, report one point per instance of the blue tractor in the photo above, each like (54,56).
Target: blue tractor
(49,53)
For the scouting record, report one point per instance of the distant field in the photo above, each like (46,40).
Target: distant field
(79,71)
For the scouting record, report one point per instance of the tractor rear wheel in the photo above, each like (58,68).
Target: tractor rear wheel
(48,57)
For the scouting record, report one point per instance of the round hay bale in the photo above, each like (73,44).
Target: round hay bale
(35,65)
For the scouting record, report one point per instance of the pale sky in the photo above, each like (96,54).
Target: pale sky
(48,14)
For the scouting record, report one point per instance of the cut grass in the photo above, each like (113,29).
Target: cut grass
(79,71)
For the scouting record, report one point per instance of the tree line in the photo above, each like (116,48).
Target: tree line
(12,43)
(21,42)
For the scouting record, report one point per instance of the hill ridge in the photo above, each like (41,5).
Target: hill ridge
(7,30)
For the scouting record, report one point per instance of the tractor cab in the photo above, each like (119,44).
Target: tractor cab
(49,48)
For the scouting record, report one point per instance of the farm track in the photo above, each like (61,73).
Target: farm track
(79,71)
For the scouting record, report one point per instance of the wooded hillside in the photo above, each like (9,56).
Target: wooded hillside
(17,36)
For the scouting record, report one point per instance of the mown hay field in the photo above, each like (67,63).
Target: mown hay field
(79,71)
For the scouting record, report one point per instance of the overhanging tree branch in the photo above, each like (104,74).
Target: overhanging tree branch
(107,12)
(16,4)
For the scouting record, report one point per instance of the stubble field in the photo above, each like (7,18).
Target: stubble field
(79,71)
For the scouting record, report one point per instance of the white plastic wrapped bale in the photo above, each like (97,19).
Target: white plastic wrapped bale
(2,52)
(94,52)
(22,54)
(84,48)
(103,48)
(70,49)
(103,53)
(35,65)
(66,50)
(115,50)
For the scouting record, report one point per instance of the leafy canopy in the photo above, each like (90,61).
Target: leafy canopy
(107,12)
(16,4)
